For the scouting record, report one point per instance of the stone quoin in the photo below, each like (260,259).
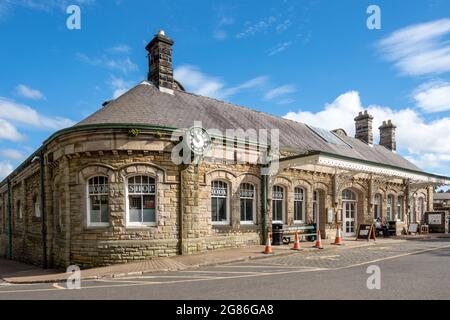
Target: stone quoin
(107,190)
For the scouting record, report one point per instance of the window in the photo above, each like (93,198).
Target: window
(377,205)
(98,206)
(37,206)
(421,209)
(247,195)
(400,207)
(19,209)
(299,205)
(389,208)
(219,202)
(315,206)
(348,195)
(141,201)
(277,204)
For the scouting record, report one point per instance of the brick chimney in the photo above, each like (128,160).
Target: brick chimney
(160,62)
(387,135)
(363,124)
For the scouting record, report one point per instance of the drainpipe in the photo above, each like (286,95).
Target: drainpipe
(10,236)
(43,216)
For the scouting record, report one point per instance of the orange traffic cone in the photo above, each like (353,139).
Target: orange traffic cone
(268,248)
(296,242)
(318,244)
(338,241)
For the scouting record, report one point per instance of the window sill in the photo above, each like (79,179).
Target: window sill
(98,226)
(247,223)
(142,226)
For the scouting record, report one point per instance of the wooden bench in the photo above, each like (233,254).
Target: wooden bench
(306,230)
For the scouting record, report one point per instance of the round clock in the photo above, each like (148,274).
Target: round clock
(198,140)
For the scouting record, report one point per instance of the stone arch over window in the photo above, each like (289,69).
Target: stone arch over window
(255,181)
(231,201)
(142,168)
(87,173)
(287,202)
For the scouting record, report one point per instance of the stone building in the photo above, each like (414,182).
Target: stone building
(156,172)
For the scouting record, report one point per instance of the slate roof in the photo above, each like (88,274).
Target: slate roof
(147,105)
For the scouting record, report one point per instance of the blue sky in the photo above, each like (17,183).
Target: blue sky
(312,61)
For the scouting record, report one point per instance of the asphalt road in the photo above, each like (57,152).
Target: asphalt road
(409,270)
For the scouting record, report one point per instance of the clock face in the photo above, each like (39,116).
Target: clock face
(198,140)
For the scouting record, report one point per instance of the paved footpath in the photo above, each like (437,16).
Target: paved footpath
(410,269)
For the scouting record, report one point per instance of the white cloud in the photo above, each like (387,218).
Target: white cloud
(280,48)
(5,169)
(122,48)
(12,154)
(280,91)
(24,114)
(124,65)
(9,132)
(257,27)
(420,49)
(43,5)
(27,92)
(433,96)
(283,26)
(197,82)
(417,139)
(119,86)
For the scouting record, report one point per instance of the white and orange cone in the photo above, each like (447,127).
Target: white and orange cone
(318,244)
(268,248)
(296,242)
(338,241)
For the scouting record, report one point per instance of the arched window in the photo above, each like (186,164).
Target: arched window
(348,195)
(390,208)
(299,205)
(316,206)
(247,197)
(19,209)
(421,209)
(400,208)
(37,206)
(98,207)
(277,204)
(377,206)
(141,197)
(219,202)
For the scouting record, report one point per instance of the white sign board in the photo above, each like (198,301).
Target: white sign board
(413,227)
(435,219)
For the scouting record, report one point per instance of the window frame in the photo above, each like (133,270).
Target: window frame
(227,203)
(283,205)
(19,210)
(390,207)
(303,204)
(400,208)
(253,201)
(89,223)
(377,206)
(130,224)
(37,206)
